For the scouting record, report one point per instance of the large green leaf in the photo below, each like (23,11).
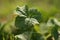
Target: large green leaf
(21,25)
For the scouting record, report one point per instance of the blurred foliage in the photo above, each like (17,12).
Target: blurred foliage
(39,19)
(26,23)
(46,7)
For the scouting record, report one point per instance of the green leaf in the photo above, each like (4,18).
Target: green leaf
(37,36)
(34,13)
(21,25)
(54,32)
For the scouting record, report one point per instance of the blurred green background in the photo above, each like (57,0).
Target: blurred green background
(46,7)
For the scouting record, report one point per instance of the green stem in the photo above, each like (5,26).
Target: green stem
(31,34)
